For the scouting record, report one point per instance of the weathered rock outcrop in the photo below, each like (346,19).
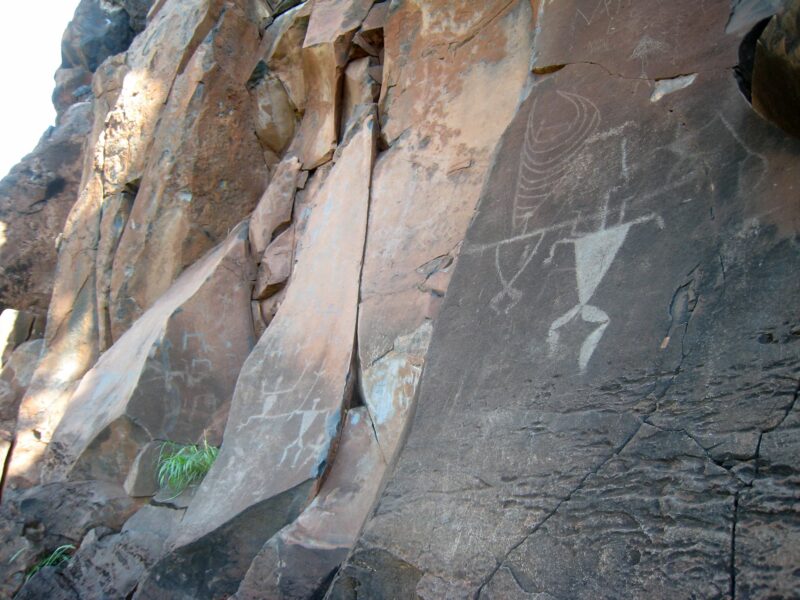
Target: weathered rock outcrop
(108,564)
(142,217)
(512,315)
(36,522)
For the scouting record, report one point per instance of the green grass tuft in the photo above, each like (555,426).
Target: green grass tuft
(57,557)
(180,466)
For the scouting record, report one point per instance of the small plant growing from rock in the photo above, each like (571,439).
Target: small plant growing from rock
(180,466)
(57,557)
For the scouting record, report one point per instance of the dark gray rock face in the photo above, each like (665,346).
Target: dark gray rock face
(609,405)
(38,521)
(101,28)
(107,564)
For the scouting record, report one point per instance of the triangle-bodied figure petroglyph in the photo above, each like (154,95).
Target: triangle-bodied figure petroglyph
(546,153)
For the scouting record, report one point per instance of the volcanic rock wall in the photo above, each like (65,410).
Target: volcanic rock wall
(267,201)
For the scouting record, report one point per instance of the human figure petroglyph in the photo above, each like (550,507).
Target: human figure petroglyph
(544,161)
(547,152)
(271,397)
(594,253)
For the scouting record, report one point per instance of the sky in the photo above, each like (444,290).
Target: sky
(30,53)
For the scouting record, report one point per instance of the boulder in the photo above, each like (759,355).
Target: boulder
(287,407)
(358,87)
(281,52)
(107,564)
(325,51)
(276,265)
(274,112)
(167,377)
(776,71)
(17,327)
(39,520)
(274,209)
(73,84)
(626,275)
(15,378)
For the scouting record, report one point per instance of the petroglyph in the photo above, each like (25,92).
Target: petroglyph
(547,153)
(594,254)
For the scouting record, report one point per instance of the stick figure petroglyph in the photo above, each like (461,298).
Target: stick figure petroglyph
(547,153)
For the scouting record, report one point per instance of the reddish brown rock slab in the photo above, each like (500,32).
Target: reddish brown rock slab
(35,198)
(298,561)
(317,136)
(205,171)
(325,51)
(643,39)
(276,265)
(168,376)
(43,518)
(275,206)
(439,91)
(288,404)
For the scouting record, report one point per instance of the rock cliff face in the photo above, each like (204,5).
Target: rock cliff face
(477,299)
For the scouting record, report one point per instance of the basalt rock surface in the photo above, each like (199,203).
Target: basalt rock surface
(607,436)
(486,299)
